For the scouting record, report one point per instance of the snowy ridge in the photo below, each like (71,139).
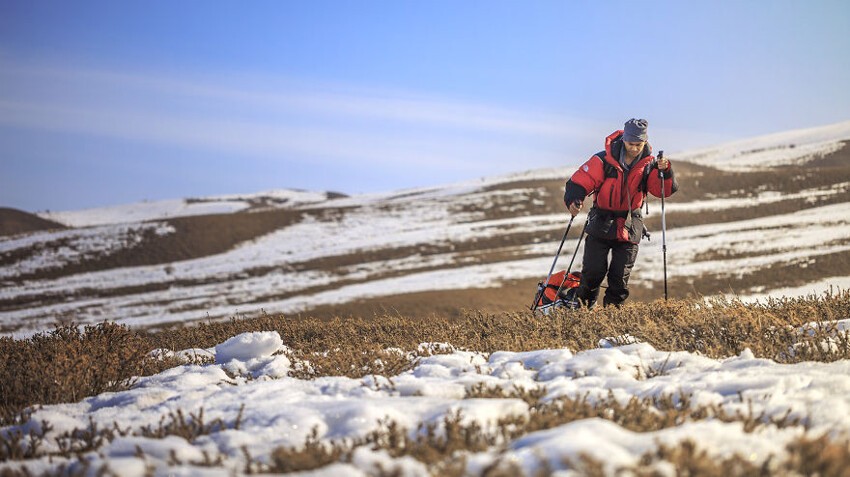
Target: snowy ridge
(792,147)
(164,209)
(282,198)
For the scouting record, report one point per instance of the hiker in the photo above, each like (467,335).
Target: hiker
(620,177)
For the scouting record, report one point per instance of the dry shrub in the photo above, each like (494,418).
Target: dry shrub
(719,328)
(532,396)
(435,444)
(15,445)
(806,455)
(636,414)
(68,364)
(443,445)
(189,428)
(351,362)
(313,455)
(80,441)
(687,458)
(818,456)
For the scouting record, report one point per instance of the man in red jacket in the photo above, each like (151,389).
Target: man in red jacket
(621,176)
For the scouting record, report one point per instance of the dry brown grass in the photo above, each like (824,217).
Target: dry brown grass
(314,454)
(722,329)
(68,364)
(443,445)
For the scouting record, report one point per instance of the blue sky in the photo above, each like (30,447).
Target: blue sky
(112,102)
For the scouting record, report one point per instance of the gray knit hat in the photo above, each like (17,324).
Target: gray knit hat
(635,130)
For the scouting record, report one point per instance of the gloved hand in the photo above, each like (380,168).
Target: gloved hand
(575,207)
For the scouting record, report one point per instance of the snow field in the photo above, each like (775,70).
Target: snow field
(51,250)
(738,247)
(251,369)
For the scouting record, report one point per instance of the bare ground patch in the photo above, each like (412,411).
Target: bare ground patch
(513,296)
(517,295)
(14,221)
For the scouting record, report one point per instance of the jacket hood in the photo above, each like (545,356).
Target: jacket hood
(614,144)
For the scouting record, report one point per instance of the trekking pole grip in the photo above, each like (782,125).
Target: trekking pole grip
(660,172)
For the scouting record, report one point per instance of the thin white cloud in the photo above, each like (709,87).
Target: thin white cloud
(286,96)
(291,120)
(281,119)
(269,140)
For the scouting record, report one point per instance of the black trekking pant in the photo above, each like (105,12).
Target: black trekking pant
(595,266)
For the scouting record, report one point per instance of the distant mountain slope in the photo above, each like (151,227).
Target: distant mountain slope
(14,221)
(168,209)
(787,148)
(782,224)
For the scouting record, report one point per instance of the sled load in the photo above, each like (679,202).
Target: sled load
(558,291)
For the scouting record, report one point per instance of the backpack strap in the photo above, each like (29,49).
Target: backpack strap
(646,172)
(610,171)
(653,164)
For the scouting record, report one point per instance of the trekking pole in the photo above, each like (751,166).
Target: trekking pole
(570,267)
(542,285)
(663,226)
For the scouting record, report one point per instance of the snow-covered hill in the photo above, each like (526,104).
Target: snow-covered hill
(780,224)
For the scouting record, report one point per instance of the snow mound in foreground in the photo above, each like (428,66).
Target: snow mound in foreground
(248,346)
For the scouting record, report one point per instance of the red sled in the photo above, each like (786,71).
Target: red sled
(560,290)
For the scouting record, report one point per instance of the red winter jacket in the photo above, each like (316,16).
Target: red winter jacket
(616,208)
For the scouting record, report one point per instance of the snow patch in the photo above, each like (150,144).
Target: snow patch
(248,346)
